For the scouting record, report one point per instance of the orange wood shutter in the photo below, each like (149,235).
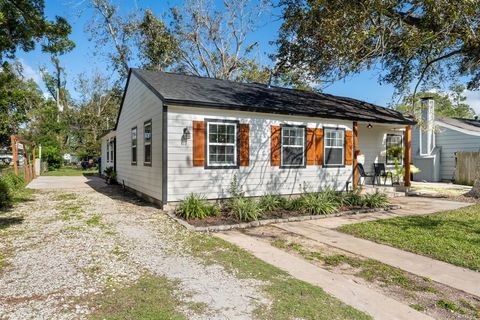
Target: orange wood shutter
(310,146)
(198,143)
(275,145)
(348,148)
(319,146)
(244,144)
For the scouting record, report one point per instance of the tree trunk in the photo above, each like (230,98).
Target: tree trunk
(475,192)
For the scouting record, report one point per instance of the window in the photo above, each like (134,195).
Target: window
(134,146)
(293,146)
(222,144)
(334,147)
(394,150)
(108,151)
(112,148)
(147,142)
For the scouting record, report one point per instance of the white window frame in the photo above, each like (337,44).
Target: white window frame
(208,144)
(112,150)
(132,145)
(282,146)
(400,160)
(147,143)
(325,147)
(108,150)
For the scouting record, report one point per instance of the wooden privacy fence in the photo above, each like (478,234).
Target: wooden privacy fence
(466,167)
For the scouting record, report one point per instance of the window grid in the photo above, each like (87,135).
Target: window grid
(221,144)
(292,138)
(334,139)
(111,150)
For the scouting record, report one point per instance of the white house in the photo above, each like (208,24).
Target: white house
(178,134)
(435,144)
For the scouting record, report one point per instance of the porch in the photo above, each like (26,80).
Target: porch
(381,152)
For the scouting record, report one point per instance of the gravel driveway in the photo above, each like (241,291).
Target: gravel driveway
(78,237)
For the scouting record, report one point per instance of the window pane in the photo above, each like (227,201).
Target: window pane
(293,156)
(148,132)
(134,154)
(148,153)
(334,156)
(221,144)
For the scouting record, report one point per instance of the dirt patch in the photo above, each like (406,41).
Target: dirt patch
(425,295)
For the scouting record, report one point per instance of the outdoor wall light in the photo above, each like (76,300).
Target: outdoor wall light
(186,135)
(369,126)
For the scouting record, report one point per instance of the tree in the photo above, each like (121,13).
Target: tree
(448,104)
(23,23)
(18,97)
(419,41)
(415,42)
(215,43)
(110,29)
(95,113)
(159,49)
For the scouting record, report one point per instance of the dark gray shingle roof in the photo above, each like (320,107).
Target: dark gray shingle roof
(467,124)
(191,90)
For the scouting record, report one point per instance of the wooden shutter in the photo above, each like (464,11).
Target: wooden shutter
(348,148)
(275,145)
(310,146)
(244,144)
(198,143)
(319,146)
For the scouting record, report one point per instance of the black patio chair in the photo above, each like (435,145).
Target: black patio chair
(363,174)
(381,172)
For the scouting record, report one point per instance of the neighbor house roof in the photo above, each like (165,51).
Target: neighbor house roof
(223,94)
(461,123)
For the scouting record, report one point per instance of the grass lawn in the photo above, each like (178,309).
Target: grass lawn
(70,171)
(450,236)
(291,298)
(154,297)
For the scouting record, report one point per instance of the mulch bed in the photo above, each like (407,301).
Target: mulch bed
(224,219)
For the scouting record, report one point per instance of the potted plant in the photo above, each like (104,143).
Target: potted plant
(110,175)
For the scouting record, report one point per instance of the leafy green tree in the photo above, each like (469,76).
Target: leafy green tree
(159,48)
(448,104)
(17,98)
(23,23)
(95,113)
(413,41)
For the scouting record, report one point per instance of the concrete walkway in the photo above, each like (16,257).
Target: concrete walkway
(345,289)
(455,277)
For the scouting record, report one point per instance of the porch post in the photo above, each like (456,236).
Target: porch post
(355,152)
(408,152)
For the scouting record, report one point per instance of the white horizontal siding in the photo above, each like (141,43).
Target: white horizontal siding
(372,143)
(139,106)
(257,179)
(452,141)
(104,163)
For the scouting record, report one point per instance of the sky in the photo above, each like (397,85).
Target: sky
(363,86)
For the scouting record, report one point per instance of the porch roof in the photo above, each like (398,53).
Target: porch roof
(254,97)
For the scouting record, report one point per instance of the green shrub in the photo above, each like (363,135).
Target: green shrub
(318,203)
(294,204)
(352,199)
(5,195)
(195,206)
(13,182)
(272,202)
(52,156)
(244,209)
(375,200)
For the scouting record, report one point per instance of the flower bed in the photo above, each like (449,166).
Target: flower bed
(240,211)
